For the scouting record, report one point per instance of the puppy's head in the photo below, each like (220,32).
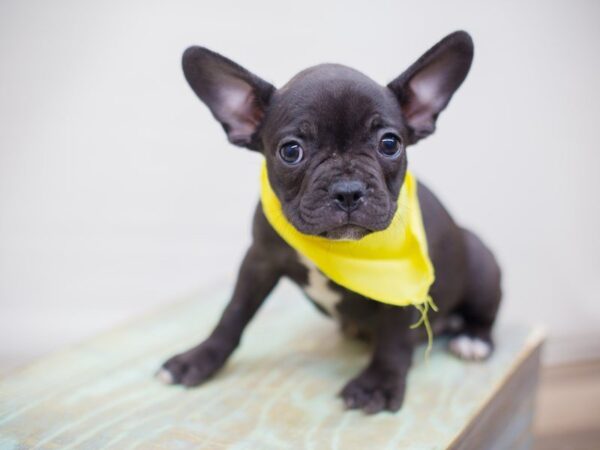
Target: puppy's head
(334,140)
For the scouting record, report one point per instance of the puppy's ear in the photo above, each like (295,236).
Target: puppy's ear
(237,98)
(427,86)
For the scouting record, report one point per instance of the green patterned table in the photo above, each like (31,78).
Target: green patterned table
(277,391)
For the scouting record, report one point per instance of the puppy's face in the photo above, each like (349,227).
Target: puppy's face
(334,140)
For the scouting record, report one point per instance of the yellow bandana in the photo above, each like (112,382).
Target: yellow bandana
(391,266)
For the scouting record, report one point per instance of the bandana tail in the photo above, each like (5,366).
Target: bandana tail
(424,320)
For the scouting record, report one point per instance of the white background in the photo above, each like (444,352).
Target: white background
(119,193)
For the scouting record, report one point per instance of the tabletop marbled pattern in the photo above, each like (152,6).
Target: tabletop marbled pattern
(277,391)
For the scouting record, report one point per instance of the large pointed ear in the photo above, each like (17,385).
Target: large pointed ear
(237,98)
(427,86)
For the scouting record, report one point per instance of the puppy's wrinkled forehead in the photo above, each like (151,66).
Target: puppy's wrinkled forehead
(330,103)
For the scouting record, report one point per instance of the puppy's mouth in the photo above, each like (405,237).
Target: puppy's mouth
(347,232)
(320,217)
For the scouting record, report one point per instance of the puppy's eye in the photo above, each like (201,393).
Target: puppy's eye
(390,145)
(291,153)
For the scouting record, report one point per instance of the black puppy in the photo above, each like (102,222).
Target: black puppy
(335,145)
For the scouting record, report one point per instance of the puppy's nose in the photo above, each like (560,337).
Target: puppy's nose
(347,195)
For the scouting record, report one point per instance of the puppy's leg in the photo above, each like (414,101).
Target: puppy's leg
(381,385)
(479,306)
(256,278)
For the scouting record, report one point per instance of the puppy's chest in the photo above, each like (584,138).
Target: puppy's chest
(318,288)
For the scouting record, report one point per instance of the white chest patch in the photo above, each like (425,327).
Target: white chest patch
(318,289)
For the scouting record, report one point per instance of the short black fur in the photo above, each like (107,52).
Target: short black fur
(344,188)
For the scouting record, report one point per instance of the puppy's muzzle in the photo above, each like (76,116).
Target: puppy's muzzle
(348,195)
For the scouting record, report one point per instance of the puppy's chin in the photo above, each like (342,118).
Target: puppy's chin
(346,233)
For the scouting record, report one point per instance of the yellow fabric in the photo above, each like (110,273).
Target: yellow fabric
(391,266)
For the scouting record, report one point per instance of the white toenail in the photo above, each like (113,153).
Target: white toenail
(164,376)
(469,348)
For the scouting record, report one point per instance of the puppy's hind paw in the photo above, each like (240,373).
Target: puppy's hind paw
(470,348)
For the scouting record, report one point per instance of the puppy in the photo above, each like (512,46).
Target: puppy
(335,147)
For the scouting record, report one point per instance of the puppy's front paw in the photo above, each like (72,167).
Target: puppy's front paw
(375,390)
(194,366)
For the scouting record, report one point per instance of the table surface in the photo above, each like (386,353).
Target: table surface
(277,391)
